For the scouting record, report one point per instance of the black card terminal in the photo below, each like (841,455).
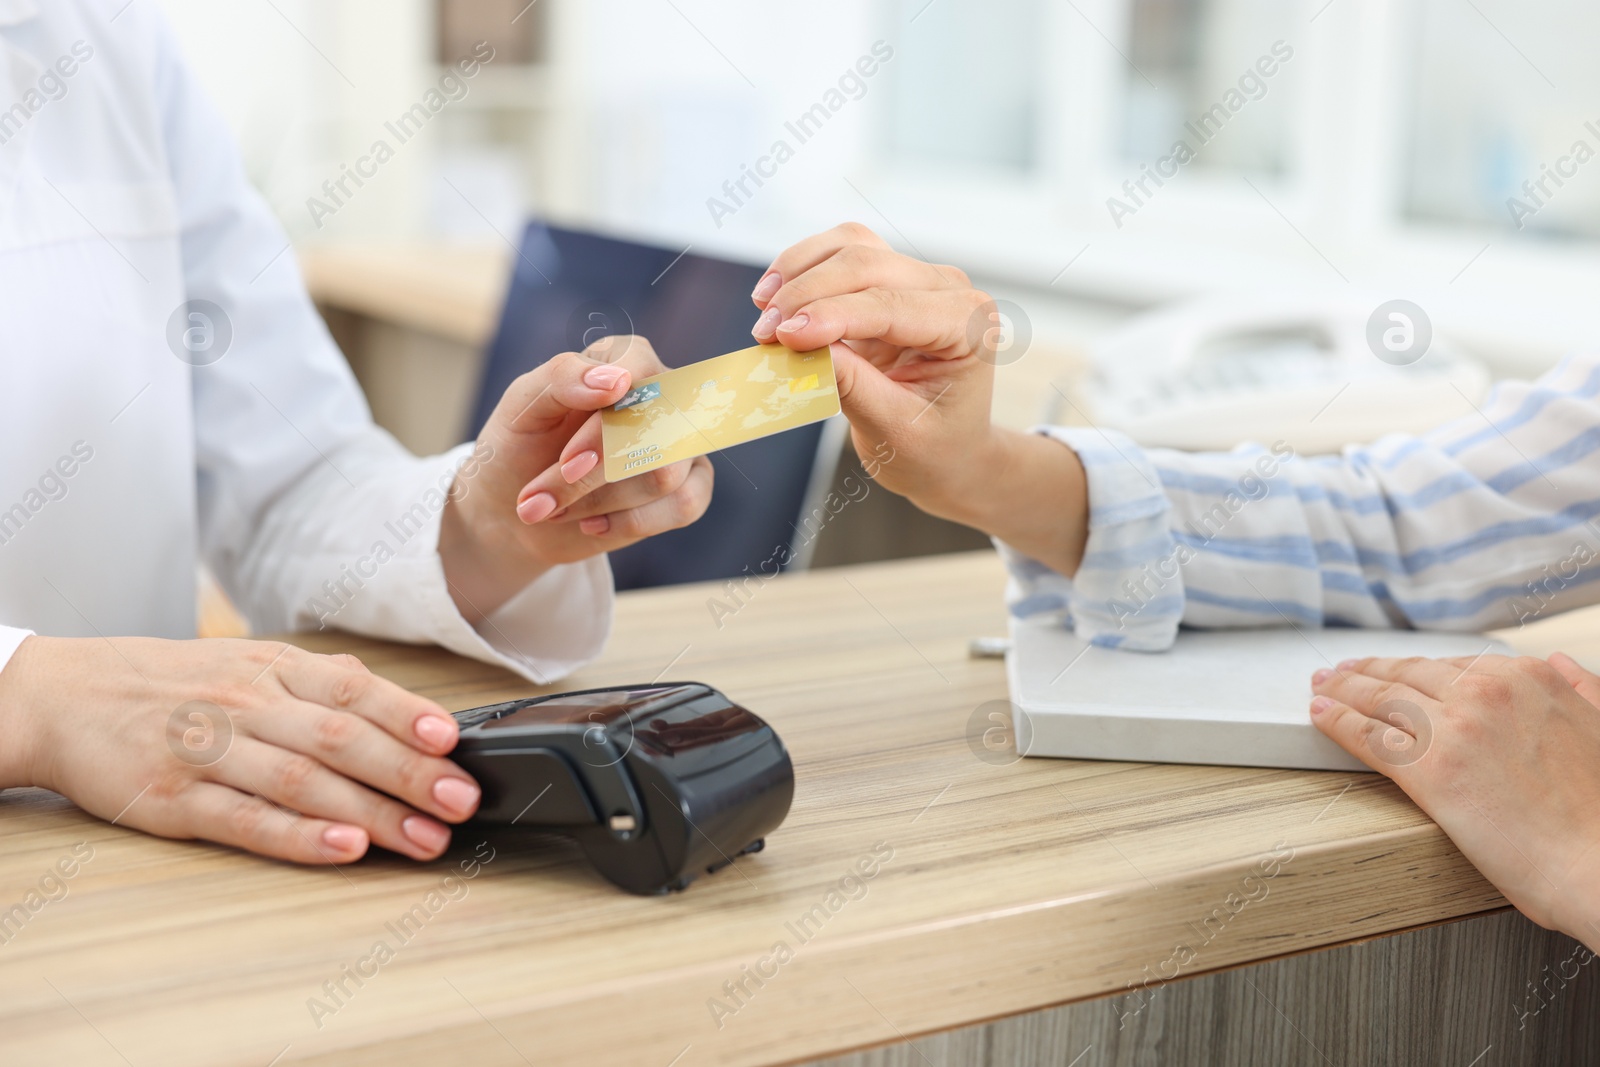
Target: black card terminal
(657,783)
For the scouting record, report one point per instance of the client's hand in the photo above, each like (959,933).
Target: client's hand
(1504,754)
(520,512)
(248,743)
(915,377)
(914,351)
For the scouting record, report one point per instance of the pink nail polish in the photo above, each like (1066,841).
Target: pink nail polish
(1346,665)
(456,795)
(1321,676)
(536,508)
(604,378)
(1321,704)
(579,465)
(594,525)
(798,322)
(435,731)
(425,833)
(345,838)
(767,323)
(769,284)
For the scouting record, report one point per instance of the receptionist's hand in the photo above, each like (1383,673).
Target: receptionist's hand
(1503,753)
(254,744)
(527,507)
(914,348)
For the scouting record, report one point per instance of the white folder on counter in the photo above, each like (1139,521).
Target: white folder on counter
(1231,697)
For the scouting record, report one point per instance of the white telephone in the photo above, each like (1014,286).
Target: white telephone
(1211,373)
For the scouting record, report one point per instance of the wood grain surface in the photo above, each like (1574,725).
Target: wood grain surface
(1001,886)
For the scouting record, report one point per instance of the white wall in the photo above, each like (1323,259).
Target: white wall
(646,120)
(651,105)
(306,85)
(675,99)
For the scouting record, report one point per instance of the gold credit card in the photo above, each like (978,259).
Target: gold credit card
(716,404)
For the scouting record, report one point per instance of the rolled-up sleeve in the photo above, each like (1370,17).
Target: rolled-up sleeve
(1128,593)
(1487,521)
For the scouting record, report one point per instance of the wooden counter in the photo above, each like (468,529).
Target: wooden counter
(452,292)
(1001,886)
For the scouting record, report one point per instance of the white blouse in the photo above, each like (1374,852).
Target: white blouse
(168,392)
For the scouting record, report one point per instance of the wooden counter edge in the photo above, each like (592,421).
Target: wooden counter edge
(891,985)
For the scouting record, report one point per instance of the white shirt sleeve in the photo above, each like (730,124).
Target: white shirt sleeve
(309,514)
(1486,522)
(10,638)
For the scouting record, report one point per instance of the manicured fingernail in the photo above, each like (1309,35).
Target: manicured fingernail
(456,795)
(345,838)
(767,323)
(1321,676)
(579,465)
(604,378)
(536,508)
(1346,665)
(436,730)
(769,284)
(425,833)
(594,525)
(1321,704)
(796,323)
(554,515)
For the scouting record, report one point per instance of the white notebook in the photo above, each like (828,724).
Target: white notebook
(1233,697)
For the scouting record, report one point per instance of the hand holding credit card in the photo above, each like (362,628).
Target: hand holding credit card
(716,404)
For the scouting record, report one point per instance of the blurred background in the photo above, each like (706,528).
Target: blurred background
(1392,139)
(1341,154)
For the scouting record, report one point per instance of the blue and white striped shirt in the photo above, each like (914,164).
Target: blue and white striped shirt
(1485,522)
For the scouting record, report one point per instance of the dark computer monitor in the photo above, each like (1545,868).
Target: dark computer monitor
(569,288)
